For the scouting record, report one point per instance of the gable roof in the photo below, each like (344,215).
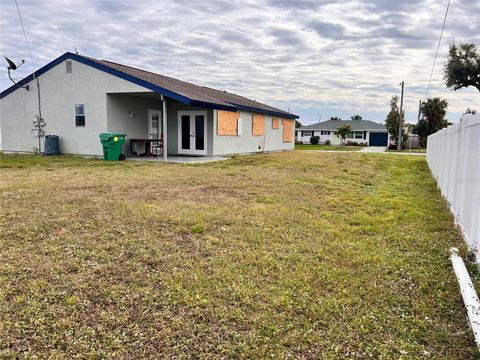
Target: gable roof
(357,125)
(182,91)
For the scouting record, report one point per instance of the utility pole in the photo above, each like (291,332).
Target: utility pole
(400,123)
(419,107)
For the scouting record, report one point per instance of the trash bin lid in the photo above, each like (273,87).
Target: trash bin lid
(105,136)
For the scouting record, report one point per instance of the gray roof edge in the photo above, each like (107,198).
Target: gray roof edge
(326,129)
(357,125)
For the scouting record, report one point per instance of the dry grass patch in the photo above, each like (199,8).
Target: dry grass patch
(301,254)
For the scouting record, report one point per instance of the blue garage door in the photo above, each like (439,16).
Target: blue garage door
(378,139)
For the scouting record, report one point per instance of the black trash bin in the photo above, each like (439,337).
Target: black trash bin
(52,145)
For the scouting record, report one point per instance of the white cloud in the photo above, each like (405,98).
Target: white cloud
(337,58)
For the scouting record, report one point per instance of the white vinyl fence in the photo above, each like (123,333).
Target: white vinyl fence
(453,155)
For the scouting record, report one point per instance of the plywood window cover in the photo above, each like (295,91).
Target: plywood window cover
(227,123)
(287,130)
(258,125)
(275,123)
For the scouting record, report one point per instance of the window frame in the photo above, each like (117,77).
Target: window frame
(306,131)
(77,115)
(359,133)
(355,135)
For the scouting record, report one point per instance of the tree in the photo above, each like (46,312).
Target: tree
(470,111)
(334,118)
(433,118)
(356,117)
(392,121)
(434,110)
(298,124)
(422,130)
(342,132)
(462,68)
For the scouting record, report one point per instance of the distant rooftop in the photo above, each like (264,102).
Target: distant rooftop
(357,125)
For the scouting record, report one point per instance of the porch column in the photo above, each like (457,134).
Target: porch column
(164,127)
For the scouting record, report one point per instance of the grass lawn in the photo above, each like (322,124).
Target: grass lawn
(409,150)
(298,254)
(326,147)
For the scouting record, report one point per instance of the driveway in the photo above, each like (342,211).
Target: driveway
(373,149)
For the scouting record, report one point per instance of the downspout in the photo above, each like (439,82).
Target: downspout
(470,298)
(164,127)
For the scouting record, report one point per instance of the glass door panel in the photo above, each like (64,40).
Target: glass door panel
(185,128)
(199,132)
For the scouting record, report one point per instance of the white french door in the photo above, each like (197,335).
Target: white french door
(192,132)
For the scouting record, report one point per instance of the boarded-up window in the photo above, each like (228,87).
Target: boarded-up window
(258,125)
(275,123)
(227,123)
(287,130)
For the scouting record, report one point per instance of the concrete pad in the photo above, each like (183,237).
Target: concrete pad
(373,149)
(181,159)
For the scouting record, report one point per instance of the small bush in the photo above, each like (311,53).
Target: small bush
(327,142)
(314,140)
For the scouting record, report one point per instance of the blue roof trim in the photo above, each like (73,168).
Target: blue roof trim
(33,75)
(81,59)
(267,112)
(175,96)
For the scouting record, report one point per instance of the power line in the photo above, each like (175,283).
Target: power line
(25,35)
(40,120)
(438,47)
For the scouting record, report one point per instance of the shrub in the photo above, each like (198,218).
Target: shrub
(314,140)
(327,142)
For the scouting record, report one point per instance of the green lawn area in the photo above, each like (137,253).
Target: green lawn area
(409,150)
(288,255)
(326,147)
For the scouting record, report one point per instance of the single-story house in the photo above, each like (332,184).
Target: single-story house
(363,131)
(81,97)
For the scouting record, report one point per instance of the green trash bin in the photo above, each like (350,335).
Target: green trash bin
(112,146)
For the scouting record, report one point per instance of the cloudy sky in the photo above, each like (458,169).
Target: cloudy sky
(316,58)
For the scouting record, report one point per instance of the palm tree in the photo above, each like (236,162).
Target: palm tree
(342,132)
(434,110)
(356,117)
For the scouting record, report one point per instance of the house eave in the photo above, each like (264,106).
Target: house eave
(147,85)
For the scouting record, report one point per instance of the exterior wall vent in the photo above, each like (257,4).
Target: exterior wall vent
(68,65)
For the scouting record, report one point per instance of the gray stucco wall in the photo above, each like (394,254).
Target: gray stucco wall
(59,94)
(106,109)
(118,108)
(247,143)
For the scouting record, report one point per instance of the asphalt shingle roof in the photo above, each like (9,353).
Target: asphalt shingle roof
(182,91)
(192,91)
(357,125)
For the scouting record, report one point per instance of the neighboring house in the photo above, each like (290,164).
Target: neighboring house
(363,131)
(82,97)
